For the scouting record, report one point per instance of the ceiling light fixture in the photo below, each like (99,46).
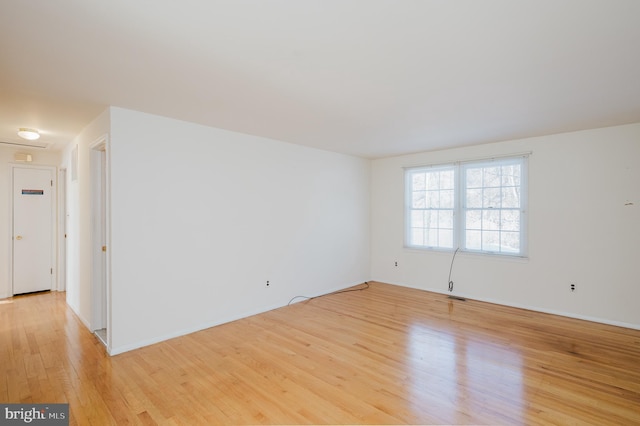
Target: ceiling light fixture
(28,134)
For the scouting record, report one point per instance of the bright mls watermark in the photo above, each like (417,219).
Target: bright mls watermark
(36,414)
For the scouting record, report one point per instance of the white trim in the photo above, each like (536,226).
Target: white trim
(129,347)
(102,143)
(431,167)
(146,342)
(61,230)
(74,163)
(82,319)
(469,160)
(527,307)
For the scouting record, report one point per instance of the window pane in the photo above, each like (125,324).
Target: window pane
(419,181)
(491,198)
(419,200)
(446,199)
(445,219)
(491,240)
(511,175)
(417,236)
(473,240)
(474,178)
(510,242)
(510,197)
(447,180)
(474,198)
(510,220)
(433,199)
(431,219)
(491,219)
(417,218)
(445,238)
(432,237)
(433,181)
(491,177)
(474,219)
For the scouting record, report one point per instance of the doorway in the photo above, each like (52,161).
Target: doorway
(62,230)
(100,239)
(33,225)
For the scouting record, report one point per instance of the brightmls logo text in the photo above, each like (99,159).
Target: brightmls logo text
(37,414)
(27,416)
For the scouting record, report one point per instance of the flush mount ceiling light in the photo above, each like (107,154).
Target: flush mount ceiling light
(28,134)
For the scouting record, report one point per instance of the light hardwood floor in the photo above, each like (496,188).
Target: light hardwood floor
(385,355)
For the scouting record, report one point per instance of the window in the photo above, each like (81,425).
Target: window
(432,206)
(475,206)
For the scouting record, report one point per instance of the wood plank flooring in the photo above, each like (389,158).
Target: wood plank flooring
(385,355)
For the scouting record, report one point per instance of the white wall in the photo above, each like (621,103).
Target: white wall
(580,229)
(79,218)
(40,157)
(201,218)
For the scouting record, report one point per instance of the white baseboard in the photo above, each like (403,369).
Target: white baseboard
(203,326)
(80,317)
(530,308)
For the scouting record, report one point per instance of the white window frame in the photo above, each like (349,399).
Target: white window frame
(409,210)
(461,208)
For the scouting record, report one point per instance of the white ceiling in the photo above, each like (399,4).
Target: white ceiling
(366,77)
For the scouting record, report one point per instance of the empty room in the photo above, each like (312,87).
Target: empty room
(320,212)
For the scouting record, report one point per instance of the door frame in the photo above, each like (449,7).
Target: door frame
(54,216)
(100,232)
(61,230)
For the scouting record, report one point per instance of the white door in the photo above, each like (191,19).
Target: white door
(32,229)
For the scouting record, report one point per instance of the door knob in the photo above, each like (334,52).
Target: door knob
(19,237)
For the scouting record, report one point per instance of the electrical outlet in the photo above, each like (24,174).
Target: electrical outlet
(267,283)
(572,286)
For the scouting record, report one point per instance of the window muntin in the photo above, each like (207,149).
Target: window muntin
(477,206)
